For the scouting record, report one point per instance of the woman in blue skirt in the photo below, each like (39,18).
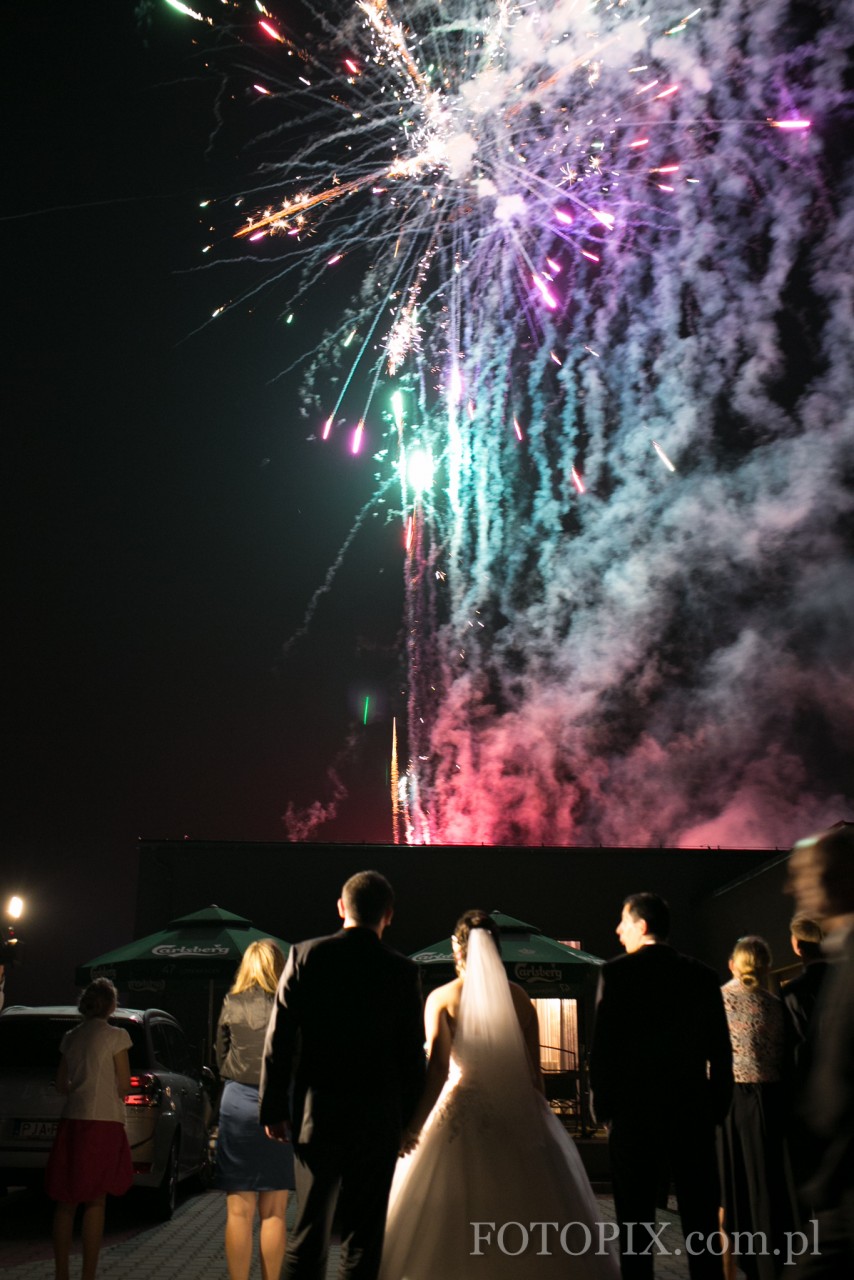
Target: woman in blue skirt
(255,1172)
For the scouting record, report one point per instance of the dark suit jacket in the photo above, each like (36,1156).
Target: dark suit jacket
(830,1090)
(800,996)
(347,1032)
(661,1044)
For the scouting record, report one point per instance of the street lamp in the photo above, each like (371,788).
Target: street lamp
(10,946)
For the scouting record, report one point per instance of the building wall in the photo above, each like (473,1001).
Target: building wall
(756,902)
(568,893)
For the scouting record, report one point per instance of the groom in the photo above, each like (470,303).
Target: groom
(347,1033)
(661,1075)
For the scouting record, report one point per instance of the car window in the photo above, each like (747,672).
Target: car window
(162,1046)
(179,1049)
(31,1044)
(138,1054)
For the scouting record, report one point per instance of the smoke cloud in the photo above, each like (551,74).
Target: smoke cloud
(667,656)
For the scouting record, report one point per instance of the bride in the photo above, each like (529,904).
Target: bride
(489,1184)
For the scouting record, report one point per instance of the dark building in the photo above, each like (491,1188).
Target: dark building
(568,893)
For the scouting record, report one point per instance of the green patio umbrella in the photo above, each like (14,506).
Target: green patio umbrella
(208,944)
(201,950)
(543,966)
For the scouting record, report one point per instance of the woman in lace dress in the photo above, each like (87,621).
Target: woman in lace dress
(492,1185)
(755,1181)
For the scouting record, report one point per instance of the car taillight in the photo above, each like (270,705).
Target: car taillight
(144,1091)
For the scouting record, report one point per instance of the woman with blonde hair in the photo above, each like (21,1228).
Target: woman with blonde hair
(255,1172)
(756,1184)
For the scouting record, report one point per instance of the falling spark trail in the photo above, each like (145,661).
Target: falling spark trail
(271,31)
(186,10)
(664,458)
(394,781)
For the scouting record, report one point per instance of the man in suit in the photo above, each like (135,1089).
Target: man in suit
(821,877)
(800,997)
(346,1033)
(661,1076)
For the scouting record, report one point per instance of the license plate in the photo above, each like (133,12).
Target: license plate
(36,1129)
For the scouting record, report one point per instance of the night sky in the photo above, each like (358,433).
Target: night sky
(662,657)
(169,517)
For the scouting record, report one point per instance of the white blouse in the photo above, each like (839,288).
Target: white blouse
(89,1050)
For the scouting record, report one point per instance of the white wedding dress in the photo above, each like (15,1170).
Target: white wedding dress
(493,1160)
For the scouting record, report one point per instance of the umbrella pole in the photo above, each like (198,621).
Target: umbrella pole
(209,1047)
(583,1069)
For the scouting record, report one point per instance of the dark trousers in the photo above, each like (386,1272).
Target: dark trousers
(834,1259)
(356,1177)
(645,1155)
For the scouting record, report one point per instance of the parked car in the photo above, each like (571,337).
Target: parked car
(167,1107)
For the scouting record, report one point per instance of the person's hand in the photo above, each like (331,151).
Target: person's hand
(279,1132)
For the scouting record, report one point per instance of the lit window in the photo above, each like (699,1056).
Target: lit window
(558,1021)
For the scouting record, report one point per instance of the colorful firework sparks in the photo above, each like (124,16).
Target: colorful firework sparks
(576,225)
(483,148)
(394,785)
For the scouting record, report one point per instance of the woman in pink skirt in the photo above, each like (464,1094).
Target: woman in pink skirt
(90,1157)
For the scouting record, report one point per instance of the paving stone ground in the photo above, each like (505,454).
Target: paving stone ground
(190,1247)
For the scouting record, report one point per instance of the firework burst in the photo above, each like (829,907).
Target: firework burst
(592,240)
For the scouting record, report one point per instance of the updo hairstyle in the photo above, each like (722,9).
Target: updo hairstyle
(99,1000)
(469,921)
(752,958)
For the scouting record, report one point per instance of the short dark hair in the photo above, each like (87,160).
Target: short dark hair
(805,929)
(653,909)
(808,935)
(468,922)
(99,999)
(368,897)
